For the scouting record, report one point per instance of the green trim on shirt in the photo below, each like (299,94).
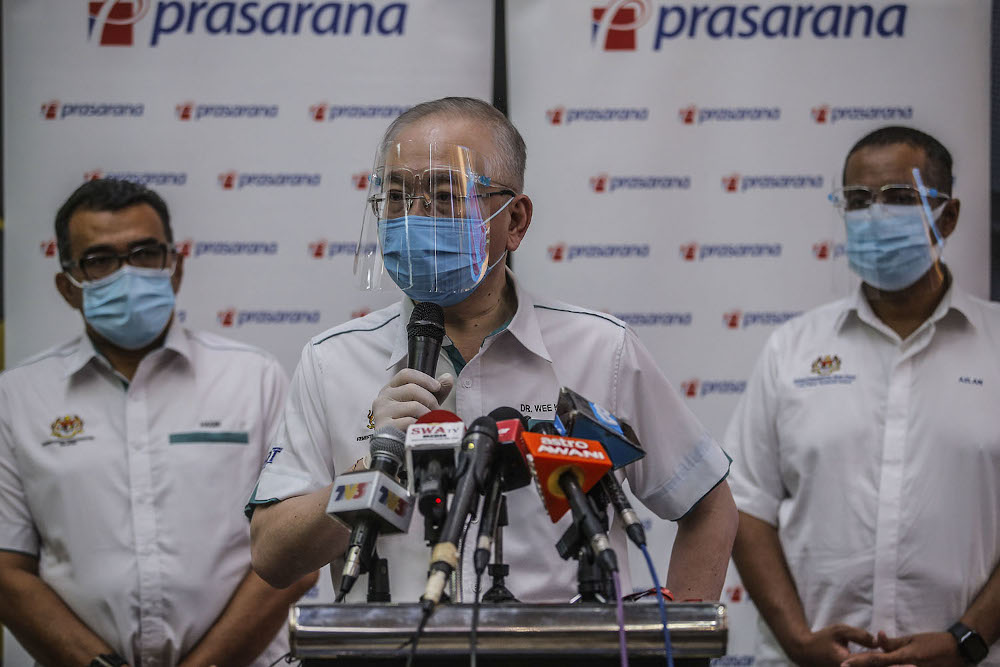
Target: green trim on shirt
(207,437)
(581,312)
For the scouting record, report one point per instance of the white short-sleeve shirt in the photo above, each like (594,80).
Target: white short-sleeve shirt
(327,424)
(879,462)
(130,493)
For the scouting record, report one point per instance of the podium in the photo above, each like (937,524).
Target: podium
(507,634)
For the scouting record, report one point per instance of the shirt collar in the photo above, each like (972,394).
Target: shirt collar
(524,326)
(858,306)
(85,351)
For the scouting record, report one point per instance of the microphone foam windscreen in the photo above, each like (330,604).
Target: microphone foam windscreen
(427,320)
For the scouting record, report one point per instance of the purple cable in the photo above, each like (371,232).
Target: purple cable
(621,620)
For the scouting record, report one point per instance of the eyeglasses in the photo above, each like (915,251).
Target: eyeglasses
(444,193)
(102,264)
(860,197)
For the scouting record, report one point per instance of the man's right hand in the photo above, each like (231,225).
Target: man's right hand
(408,396)
(828,647)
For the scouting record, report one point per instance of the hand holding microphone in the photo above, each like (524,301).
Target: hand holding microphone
(413,391)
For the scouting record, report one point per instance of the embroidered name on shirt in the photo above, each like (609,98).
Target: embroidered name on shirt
(210,424)
(271,454)
(965,379)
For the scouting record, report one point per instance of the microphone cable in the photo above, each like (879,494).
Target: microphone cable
(620,609)
(663,609)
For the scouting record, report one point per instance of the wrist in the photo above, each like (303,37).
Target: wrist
(970,646)
(111,659)
(795,643)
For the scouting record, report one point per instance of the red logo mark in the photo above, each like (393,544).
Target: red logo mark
(731,183)
(361,312)
(735,593)
(92,175)
(557,252)
(821,113)
(687,114)
(49,248)
(614,25)
(689,388)
(184,110)
(112,20)
(822,250)
(689,251)
(361,180)
(226,317)
(317,249)
(555,115)
(228,180)
(50,110)
(184,247)
(318,111)
(599,183)
(732,319)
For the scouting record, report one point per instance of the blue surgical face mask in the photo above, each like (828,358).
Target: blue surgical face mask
(130,307)
(432,261)
(888,246)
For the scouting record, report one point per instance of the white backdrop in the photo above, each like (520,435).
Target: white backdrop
(679,160)
(258,128)
(257,125)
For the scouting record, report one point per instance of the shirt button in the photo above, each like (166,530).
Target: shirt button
(466,383)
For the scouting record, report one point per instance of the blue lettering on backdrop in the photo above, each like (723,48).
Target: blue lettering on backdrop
(277,18)
(779,21)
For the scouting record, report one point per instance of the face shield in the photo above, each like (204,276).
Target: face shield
(892,233)
(426,223)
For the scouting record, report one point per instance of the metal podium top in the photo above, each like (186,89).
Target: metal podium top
(380,630)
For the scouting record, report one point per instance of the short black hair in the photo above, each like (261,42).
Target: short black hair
(938,168)
(106,194)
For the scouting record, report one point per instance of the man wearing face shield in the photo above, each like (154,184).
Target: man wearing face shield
(867,448)
(125,457)
(446,207)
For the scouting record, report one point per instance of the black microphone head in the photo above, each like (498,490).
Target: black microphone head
(484,425)
(427,319)
(506,412)
(545,428)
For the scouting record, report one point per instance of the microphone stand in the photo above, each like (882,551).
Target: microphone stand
(378,580)
(498,570)
(594,584)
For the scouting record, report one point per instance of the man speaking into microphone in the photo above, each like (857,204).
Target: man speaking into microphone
(445,208)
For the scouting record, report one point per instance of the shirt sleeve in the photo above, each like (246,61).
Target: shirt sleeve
(683,462)
(17,528)
(299,460)
(753,439)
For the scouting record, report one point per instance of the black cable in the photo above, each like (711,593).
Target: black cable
(415,639)
(475,622)
(288,658)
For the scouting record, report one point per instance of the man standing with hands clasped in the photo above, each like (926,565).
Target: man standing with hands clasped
(867,445)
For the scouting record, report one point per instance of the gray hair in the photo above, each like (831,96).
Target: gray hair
(508,163)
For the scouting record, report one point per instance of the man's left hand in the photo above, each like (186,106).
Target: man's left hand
(927,649)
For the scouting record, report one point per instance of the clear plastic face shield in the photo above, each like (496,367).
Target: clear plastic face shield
(892,234)
(426,223)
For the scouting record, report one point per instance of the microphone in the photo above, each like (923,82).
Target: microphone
(583,418)
(580,418)
(473,474)
(509,473)
(372,502)
(564,469)
(424,334)
(432,446)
